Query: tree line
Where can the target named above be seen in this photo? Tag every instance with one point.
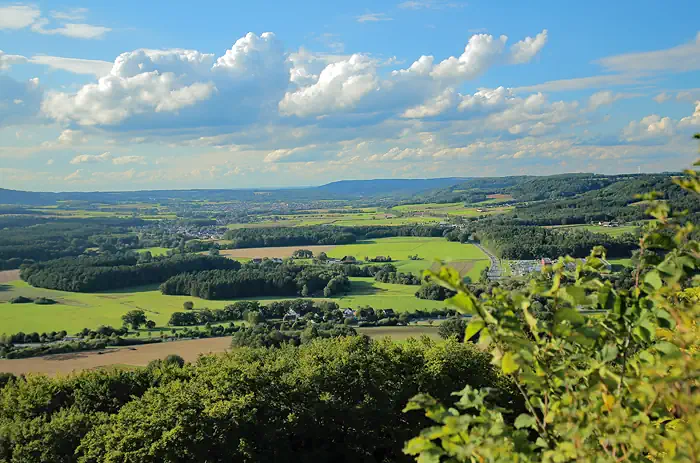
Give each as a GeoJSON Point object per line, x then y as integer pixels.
{"type": "Point", "coordinates": [116, 271]}
{"type": "Point", "coordinates": [265, 279]}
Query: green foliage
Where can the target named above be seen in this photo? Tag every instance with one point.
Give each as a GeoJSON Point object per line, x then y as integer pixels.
{"type": "Point", "coordinates": [621, 386]}
{"type": "Point", "coordinates": [328, 400]}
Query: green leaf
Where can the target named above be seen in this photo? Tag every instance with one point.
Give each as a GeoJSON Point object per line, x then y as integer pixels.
{"type": "Point", "coordinates": [668, 349]}
{"type": "Point", "coordinates": [508, 363]}
{"type": "Point", "coordinates": [473, 328]}
{"type": "Point", "coordinates": [567, 313]}
{"type": "Point", "coordinates": [609, 353]}
{"type": "Point", "coordinates": [653, 279]}
{"type": "Point", "coordinates": [463, 302]}
{"type": "Point", "coordinates": [525, 421]}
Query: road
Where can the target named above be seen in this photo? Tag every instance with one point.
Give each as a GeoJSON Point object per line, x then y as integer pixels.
{"type": "Point", "coordinates": [495, 272]}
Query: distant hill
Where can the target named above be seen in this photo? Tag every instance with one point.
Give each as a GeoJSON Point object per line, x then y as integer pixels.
{"type": "Point", "coordinates": [346, 189]}
{"type": "Point", "coordinates": [388, 186]}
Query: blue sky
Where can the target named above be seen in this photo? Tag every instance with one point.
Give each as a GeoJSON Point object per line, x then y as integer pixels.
{"type": "Point", "coordinates": [145, 95]}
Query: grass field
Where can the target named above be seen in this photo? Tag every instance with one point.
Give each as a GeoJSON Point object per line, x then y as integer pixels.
{"type": "Point", "coordinates": [157, 251]}
{"type": "Point", "coordinates": [279, 251]}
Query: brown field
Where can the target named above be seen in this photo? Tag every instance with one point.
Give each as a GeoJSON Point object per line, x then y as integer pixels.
{"type": "Point", "coordinates": [462, 266]}
{"type": "Point", "coordinates": [280, 251]}
{"type": "Point", "coordinates": [499, 196]}
{"type": "Point", "coordinates": [9, 275]}
{"type": "Point", "coordinates": [123, 356]}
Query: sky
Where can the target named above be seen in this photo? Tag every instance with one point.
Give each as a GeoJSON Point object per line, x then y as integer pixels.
{"type": "Point", "coordinates": [130, 95]}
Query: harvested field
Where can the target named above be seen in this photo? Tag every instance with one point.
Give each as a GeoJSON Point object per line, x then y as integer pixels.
{"type": "Point", "coordinates": [280, 251]}
{"type": "Point", "coordinates": [131, 356]}
{"type": "Point", "coordinates": [9, 275]}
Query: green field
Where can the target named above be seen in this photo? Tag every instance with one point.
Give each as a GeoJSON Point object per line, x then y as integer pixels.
{"type": "Point", "coordinates": [76, 311]}
{"type": "Point", "coordinates": [154, 251]}
{"type": "Point", "coordinates": [428, 249]}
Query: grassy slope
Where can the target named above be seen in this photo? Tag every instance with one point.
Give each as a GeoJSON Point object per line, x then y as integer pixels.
{"type": "Point", "coordinates": [156, 251]}
{"type": "Point", "coordinates": [612, 231]}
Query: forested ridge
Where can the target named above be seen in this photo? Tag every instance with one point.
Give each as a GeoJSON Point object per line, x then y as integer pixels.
{"type": "Point", "coordinates": [115, 271]}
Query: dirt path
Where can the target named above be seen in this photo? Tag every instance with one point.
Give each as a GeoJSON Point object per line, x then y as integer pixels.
{"type": "Point", "coordinates": [136, 355]}
{"type": "Point", "coordinates": [9, 275]}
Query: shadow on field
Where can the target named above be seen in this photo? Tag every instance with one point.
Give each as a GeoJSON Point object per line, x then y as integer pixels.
{"type": "Point", "coordinates": [5, 287]}
{"type": "Point", "coordinates": [360, 288]}
{"type": "Point", "coordinates": [77, 355]}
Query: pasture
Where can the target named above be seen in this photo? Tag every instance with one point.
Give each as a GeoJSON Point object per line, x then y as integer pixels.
{"type": "Point", "coordinates": [155, 251]}
{"type": "Point", "coordinates": [279, 251]}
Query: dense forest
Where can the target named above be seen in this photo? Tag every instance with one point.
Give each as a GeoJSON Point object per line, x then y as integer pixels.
{"type": "Point", "coordinates": [115, 271]}
{"type": "Point", "coordinates": [45, 240]}
{"type": "Point", "coordinates": [511, 241]}
{"type": "Point", "coordinates": [329, 400]}
{"type": "Point", "coordinates": [265, 279]}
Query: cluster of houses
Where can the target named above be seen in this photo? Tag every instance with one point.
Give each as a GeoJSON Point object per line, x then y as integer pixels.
{"type": "Point", "coordinates": [608, 224]}
{"type": "Point", "coordinates": [359, 315]}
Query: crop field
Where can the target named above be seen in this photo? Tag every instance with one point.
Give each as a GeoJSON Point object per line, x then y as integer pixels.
{"type": "Point", "coordinates": [279, 251]}
{"type": "Point", "coordinates": [9, 275]}
{"type": "Point", "coordinates": [112, 357]}
{"type": "Point", "coordinates": [401, 333]}
{"type": "Point", "coordinates": [450, 209]}
{"type": "Point", "coordinates": [321, 217]}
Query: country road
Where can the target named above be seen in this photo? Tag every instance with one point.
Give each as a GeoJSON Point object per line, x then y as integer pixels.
{"type": "Point", "coordinates": [495, 272]}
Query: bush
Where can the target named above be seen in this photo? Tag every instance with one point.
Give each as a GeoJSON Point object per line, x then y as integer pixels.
{"type": "Point", "coordinates": [44, 301]}
{"type": "Point", "coordinates": [21, 300]}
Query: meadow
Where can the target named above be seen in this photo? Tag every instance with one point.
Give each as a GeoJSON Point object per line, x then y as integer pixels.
{"type": "Point", "coordinates": [155, 251]}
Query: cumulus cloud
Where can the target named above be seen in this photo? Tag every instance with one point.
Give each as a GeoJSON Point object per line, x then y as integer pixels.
{"type": "Point", "coordinates": [72, 137]}
{"type": "Point", "coordinates": [692, 121]}
{"type": "Point", "coordinates": [92, 158]}
{"type": "Point", "coordinates": [340, 85]}
{"type": "Point", "coordinates": [76, 31]}
{"type": "Point", "coordinates": [74, 176]}
{"type": "Point", "coordinates": [526, 49]}
{"type": "Point", "coordinates": [433, 107]}
{"type": "Point", "coordinates": [248, 78]}
{"type": "Point", "coordinates": [481, 52]}
{"type": "Point", "coordinates": [662, 97]}
{"type": "Point", "coordinates": [649, 128]}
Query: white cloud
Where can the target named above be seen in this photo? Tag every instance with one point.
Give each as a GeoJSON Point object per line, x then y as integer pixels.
{"type": "Point", "coordinates": [6, 61]}
{"type": "Point", "coordinates": [662, 97]}
{"type": "Point", "coordinates": [692, 121]}
{"type": "Point", "coordinates": [75, 176]}
{"type": "Point", "coordinates": [76, 31]}
{"type": "Point", "coordinates": [433, 107]}
{"type": "Point", "coordinates": [49, 162]}
{"type": "Point", "coordinates": [373, 17]}
{"type": "Point", "coordinates": [92, 158]}
{"type": "Point", "coordinates": [649, 128]}
{"type": "Point", "coordinates": [481, 52]}
{"type": "Point", "coordinates": [15, 17]}
{"type": "Point", "coordinates": [97, 68]}
{"type": "Point", "coordinates": [19, 101]}
{"type": "Point", "coordinates": [680, 58]}
{"type": "Point", "coordinates": [72, 137]}
{"type": "Point", "coordinates": [340, 85]}
{"type": "Point", "coordinates": [580, 83]}
{"type": "Point", "coordinates": [18, 16]}
{"type": "Point", "coordinates": [526, 49]}
{"type": "Point", "coordinates": [129, 160]}
{"type": "Point", "coordinates": [249, 79]}
{"type": "Point", "coordinates": [603, 98]}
